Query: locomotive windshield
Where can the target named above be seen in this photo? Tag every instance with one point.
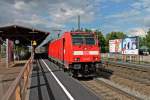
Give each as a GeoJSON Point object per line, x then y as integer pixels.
{"type": "Point", "coordinates": [79, 39]}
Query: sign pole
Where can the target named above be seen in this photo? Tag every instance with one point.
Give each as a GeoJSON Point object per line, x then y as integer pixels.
{"type": "Point", "coordinates": [7, 53]}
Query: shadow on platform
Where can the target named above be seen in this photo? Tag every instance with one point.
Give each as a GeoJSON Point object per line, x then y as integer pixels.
{"type": "Point", "coordinates": [40, 87]}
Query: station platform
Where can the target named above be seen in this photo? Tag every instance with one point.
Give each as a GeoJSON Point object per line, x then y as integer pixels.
{"type": "Point", "coordinates": [48, 82]}
{"type": "Point", "coordinates": [9, 74]}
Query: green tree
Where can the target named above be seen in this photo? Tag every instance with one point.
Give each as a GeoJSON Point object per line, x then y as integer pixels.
{"type": "Point", "coordinates": [142, 41]}
{"type": "Point", "coordinates": [102, 41]}
{"type": "Point", "coordinates": [147, 38]}
{"type": "Point", "coordinates": [115, 35]}
{"type": "Point", "coordinates": [88, 30]}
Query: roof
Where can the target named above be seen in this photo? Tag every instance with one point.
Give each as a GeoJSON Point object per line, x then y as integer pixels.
{"type": "Point", "coordinates": [23, 34]}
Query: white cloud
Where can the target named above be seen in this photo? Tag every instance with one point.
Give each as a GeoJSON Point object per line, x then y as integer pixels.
{"type": "Point", "coordinates": [137, 32]}
{"type": "Point", "coordinates": [20, 5]}
{"type": "Point", "coordinates": [48, 13]}
{"type": "Point", "coordinates": [67, 12]}
{"type": "Point", "coordinates": [125, 14]}
{"type": "Point", "coordinates": [142, 5]}
{"type": "Point", "coordinates": [37, 20]}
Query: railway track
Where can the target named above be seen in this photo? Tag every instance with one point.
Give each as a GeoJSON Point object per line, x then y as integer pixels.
{"type": "Point", "coordinates": [136, 67]}
{"type": "Point", "coordinates": [107, 91]}
{"type": "Point", "coordinates": [137, 74]}
{"type": "Point", "coordinates": [132, 77]}
{"type": "Point", "coordinates": [137, 77]}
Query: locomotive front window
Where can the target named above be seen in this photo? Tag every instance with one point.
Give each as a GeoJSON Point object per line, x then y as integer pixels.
{"type": "Point", "coordinates": [90, 41]}
{"type": "Point", "coordinates": [79, 39]}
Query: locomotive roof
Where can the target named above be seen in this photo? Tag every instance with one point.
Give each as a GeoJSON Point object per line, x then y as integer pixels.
{"type": "Point", "coordinates": [72, 32]}
{"type": "Point", "coordinates": [80, 32]}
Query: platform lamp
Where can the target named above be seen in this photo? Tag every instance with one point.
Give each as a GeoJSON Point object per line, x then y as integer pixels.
{"type": "Point", "coordinates": [33, 41]}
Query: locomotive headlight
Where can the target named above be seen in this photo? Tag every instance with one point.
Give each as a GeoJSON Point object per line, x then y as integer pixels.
{"type": "Point", "coordinates": [77, 59]}
{"type": "Point", "coordinates": [95, 58]}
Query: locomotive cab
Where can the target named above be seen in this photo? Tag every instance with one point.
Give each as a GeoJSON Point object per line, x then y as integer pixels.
{"type": "Point", "coordinates": [77, 52]}
{"type": "Point", "coordinates": [85, 54]}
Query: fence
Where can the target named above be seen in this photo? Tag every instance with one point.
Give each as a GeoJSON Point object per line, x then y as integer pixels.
{"type": "Point", "coordinates": [124, 58]}
{"type": "Point", "coordinates": [18, 88]}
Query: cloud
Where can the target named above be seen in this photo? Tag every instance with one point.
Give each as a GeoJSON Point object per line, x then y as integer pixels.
{"type": "Point", "coordinates": [142, 5]}
{"type": "Point", "coordinates": [147, 21]}
{"type": "Point", "coordinates": [47, 13]}
{"type": "Point", "coordinates": [137, 32]}
{"type": "Point", "coordinates": [20, 5]}
{"type": "Point", "coordinates": [125, 14]}
{"type": "Point", "coordinates": [62, 13]}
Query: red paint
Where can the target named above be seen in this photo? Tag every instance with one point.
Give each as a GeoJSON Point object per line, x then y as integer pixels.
{"type": "Point", "coordinates": [65, 51]}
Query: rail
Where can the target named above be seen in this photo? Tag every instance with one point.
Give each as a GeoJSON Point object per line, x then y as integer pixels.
{"type": "Point", "coordinates": [121, 91]}
{"type": "Point", "coordinates": [18, 88]}
{"type": "Point", "coordinates": [144, 67]}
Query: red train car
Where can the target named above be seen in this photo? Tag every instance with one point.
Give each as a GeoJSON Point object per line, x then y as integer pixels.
{"type": "Point", "coordinates": [77, 51]}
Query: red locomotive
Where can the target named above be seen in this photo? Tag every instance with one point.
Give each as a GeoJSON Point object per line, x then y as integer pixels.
{"type": "Point", "coordinates": [77, 51]}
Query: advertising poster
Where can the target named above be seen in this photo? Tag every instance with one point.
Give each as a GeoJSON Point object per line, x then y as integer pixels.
{"type": "Point", "coordinates": [130, 45]}
{"type": "Point", "coordinates": [115, 46]}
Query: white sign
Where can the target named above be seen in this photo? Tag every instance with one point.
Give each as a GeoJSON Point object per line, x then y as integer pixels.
{"type": "Point", "coordinates": [115, 45]}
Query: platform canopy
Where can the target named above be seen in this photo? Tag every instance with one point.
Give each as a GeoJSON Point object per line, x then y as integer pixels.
{"type": "Point", "coordinates": [23, 34]}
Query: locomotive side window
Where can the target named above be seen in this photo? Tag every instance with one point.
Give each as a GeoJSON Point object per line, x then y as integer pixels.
{"type": "Point", "coordinates": [79, 39]}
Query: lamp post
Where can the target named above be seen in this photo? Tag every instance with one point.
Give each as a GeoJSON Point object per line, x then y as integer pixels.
{"type": "Point", "coordinates": [16, 47]}
{"type": "Point", "coordinates": [33, 42]}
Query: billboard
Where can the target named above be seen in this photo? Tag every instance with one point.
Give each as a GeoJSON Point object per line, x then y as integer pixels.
{"type": "Point", "coordinates": [130, 45]}
{"type": "Point", "coordinates": [115, 46]}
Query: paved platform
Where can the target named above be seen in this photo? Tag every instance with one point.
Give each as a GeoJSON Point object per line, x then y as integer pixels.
{"type": "Point", "coordinates": [50, 83]}
{"type": "Point", "coordinates": [8, 75]}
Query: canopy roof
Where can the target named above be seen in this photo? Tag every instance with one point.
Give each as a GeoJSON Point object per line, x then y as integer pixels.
{"type": "Point", "coordinates": [23, 34]}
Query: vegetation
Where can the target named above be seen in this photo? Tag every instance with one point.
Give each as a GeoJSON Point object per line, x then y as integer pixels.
{"type": "Point", "coordinates": [147, 39]}
{"type": "Point", "coordinates": [102, 40]}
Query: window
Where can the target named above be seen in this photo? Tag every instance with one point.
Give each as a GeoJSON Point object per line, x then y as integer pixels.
{"type": "Point", "coordinates": [80, 39]}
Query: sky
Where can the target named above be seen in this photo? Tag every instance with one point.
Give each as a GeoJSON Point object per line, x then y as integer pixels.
{"type": "Point", "coordinates": [129, 16]}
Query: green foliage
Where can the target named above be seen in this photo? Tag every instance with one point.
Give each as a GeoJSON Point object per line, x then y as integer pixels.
{"type": "Point", "coordinates": [88, 30]}
{"type": "Point", "coordinates": [142, 41]}
{"type": "Point", "coordinates": [102, 41]}
{"type": "Point", "coordinates": [115, 35]}
{"type": "Point", "coordinates": [147, 39]}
